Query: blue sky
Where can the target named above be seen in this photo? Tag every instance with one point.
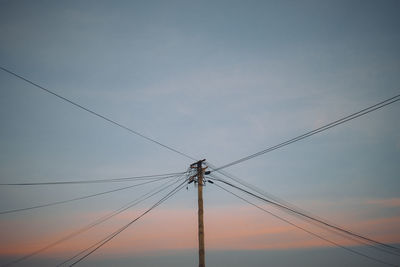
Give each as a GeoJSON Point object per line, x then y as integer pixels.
{"type": "Point", "coordinates": [214, 79]}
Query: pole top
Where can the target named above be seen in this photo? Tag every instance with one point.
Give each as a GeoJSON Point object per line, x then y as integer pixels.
{"type": "Point", "coordinates": [197, 163]}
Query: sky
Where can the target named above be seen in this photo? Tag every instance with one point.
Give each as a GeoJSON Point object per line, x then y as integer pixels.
{"type": "Point", "coordinates": [217, 80]}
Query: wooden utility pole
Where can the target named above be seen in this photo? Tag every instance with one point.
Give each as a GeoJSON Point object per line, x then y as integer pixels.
{"type": "Point", "coordinates": [200, 179]}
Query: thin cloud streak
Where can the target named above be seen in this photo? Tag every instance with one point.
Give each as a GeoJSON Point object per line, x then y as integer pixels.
{"type": "Point", "coordinates": [388, 202]}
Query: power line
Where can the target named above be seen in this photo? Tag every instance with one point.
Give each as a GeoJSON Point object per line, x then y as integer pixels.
{"type": "Point", "coordinates": [98, 221]}
{"type": "Point", "coordinates": [96, 114]}
{"type": "Point", "coordinates": [294, 207]}
{"type": "Point", "coordinates": [112, 180]}
{"type": "Point", "coordinates": [307, 215]}
{"type": "Point", "coordinates": [315, 131]}
{"type": "Point", "coordinates": [307, 231]}
{"type": "Point", "coordinates": [77, 198]}
{"type": "Point", "coordinates": [105, 240]}
{"type": "Point", "coordinates": [261, 192]}
{"type": "Point", "coordinates": [252, 187]}
{"type": "Point", "coordinates": [314, 219]}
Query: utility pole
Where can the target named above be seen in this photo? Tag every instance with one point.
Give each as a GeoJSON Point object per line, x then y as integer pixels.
{"type": "Point", "coordinates": [200, 180]}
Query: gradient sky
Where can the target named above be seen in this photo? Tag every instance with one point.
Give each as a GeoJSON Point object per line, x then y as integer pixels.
{"type": "Point", "coordinates": [214, 79]}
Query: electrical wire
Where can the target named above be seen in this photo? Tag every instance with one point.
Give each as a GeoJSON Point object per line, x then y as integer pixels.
{"type": "Point", "coordinates": [294, 207]}
{"type": "Point", "coordinates": [252, 187]}
{"type": "Point", "coordinates": [307, 231]}
{"type": "Point", "coordinates": [281, 201]}
{"type": "Point", "coordinates": [105, 240]}
{"type": "Point", "coordinates": [78, 198]}
{"type": "Point", "coordinates": [315, 131]}
{"type": "Point", "coordinates": [96, 114]}
{"type": "Point", "coordinates": [98, 221]}
{"type": "Point", "coordinates": [306, 215]}
{"type": "Point", "coordinates": [315, 219]}
{"type": "Point", "coordinates": [125, 179]}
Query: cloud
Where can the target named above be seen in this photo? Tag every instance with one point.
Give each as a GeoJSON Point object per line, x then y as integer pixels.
{"type": "Point", "coordinates": [386, 202]}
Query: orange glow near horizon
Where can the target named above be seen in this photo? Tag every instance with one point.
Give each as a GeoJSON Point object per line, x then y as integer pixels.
{"type": "Point", "coordinates": [226, 228]}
